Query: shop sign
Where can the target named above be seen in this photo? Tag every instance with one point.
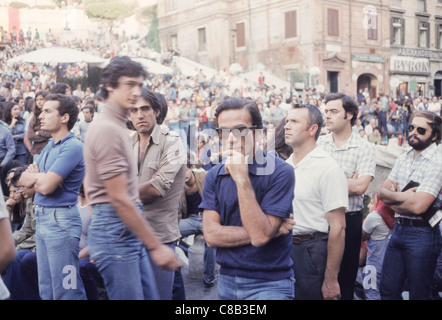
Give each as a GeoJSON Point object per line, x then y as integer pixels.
{"type": "Point", "coordinates": [408, 65]}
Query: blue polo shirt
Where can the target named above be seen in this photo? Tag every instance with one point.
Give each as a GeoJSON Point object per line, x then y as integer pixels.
{"type": "Point", "coordinates": [273, 182]}
{"type": "Point", "coordinates": [64, 158]}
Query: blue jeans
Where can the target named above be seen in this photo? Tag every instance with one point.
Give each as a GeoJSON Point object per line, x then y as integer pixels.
{"type": "Point", "coordinates": [57, 238]}
{"type": "Point", "coordinates": [163, 278]}
{"type": "Point", "coordinates": [29, 276]}
{"type": "Point", "coordinates": [120, 256]}
{"type": "Point", "coordinates": [12, 278]}
{"type": "Point", "coordinates": [382, 121]}
{"type": "Point", "coordinates": [239, 288]}
{"type": "Point", "coordinates": [194, 225]}
{"type": "Point", "coordinates": [411, 256]}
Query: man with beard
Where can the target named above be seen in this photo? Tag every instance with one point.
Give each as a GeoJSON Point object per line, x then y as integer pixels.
{"type": "Point", "coordinates": [414, 246]}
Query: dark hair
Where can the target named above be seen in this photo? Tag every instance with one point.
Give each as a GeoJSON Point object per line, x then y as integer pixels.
{"type": "Point", "coordinates": [314, 117]}
{"type": "Point", "coordinates": [435, 123]}
{"type": "Point", "coordinates": [348, 103]}
{"type": "Point", "coordinates": [7, 112]}
{"type": "Point", "coordinates": [238, 104]}
{"type": "Point", "coordinates": [164, 108]}
{"type": "Point", "coordinates": [151, 97]}
{"type": "Point", "coordinates": [119, 67]}
{"type": "Point", "coordinates": [281, 147]}
{"type": "Point", "coordinates": [88, 107]}
{"type": "Point", "coordinates": [60, 88]}
{"type": "Point", "coordinates": [29, 104]}
{"type": "Point", "coordinates": [4, 173]}
{"type": "Point", "coordinates": [17, 171]}
{"type": "Point", "coordinates": [37, 111]}
{"type": "Point", "coordinates": [65, 105]}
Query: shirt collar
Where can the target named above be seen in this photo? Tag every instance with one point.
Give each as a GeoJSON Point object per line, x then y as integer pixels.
{"type": "Point", "coordinates": [154, 137]}
{"type": "Point", "coordinates": [353, 141]}
{"type": "Point", "coordinates": [428, 153]}
{"type": "Point", "coordinates": [62, 140]}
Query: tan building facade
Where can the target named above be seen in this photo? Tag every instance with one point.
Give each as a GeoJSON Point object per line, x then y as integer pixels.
{"type": "Point", "coordinates": [334, 45]}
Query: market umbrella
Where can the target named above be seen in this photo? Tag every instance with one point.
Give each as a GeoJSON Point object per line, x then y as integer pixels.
{"type": "Point", "coordinates": [55, 55]}
{"type": "Point", "coordinates": [154, 67]}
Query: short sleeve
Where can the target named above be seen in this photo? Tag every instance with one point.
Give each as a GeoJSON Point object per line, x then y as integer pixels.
{"type": "Point", "coordinates": [209, 198]}
{"type": "Point", "coordinates": [70, 156]}
{"type": "Point", "coordinates": [278, 199]}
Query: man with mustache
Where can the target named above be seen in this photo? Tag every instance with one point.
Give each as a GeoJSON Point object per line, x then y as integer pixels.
{"type": "Point", "coordinates": [414, 245]}
{"type": "Point", "coordinates": [161, 173]}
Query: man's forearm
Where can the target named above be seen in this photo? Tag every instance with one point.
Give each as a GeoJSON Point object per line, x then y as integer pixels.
{"type": "Point", "coordinates": [335, 251]}
{"type": "Point", "coordinates": [255, 221]}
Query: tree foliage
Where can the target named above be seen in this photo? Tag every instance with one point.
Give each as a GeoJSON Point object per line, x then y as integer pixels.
{"type": "Point", "coordinates": [153, 37]}
{"type": "Point", "coordinates": [109, 9]}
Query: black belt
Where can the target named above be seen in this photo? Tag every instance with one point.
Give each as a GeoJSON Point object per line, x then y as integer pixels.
{"type": "Point", "coordinates": [308, 236]}
{"type": "Point", "coordinates": [411, 222]}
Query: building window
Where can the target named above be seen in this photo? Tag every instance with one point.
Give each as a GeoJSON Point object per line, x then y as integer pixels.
{"type": "Point", "coordinates": [174, 41]}
{"type": "Point", "coordinates": [202, 39]}
{"type": "Point", "coordinates": [423, 34]}
{"type": "Point", "coordinates": [290, 24]}
{"type": "Point", "coordinates": [333, 22]}
{"type": "Point", "coordinates": [397, 36]}
{"type": "Point", "coordinates": [421, 5]}
{"type": "Point", "coordinates": [172, 5]}
{"type": "Point", "coordinates": [240, 35]}
{"type": "Point", "coordinates": [439, 36]}
{"type": "Point", "coordinates": [372, 27]}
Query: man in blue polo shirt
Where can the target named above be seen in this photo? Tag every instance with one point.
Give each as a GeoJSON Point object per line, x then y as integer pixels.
{"type": "Point", "coordinates": [247, 200]}
{"type": "Point", "coordinates": [57, 176]}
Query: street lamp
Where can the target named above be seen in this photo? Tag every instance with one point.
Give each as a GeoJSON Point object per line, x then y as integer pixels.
{"type": "Point", "coordinates": [233, 31]}
{"type": "Point", "coordinates": [66, 11]}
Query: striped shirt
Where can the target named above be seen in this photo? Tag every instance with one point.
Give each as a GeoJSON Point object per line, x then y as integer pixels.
{"type": "Point", "coordinates": [425, 169]}
{"type": "Point", "coordinates": [355, 155]}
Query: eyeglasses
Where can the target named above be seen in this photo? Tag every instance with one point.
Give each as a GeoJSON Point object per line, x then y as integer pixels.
{"type": "Point", "coordinates": [19, 189]}
{"type": "Point", "coordinates": [420, 130]}
{"type": "Point", "coordinates": [142, 109]}
{"type": "Point", "coordinates": [239, 131]}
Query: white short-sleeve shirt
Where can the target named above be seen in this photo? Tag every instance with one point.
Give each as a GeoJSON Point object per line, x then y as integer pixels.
{"type": "Point", "coordinates": [321, 186]}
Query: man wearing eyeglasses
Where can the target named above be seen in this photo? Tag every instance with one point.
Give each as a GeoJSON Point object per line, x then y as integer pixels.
{"type": "Point", "coordinates": [246, 203]}
{"type": "Point", "coordinates": [414, 246]}
{"type": "Point", "coordinates": [161, 172]}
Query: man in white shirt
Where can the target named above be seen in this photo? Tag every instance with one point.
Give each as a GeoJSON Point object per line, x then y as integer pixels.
{"type": "Point", "coordinates": [321, 196]}
{"type": "Point", "coordinates": [434, 106]}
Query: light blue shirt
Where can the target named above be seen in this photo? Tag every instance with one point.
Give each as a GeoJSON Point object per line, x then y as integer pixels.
{"type": "Point", "coordinates": [64, 158]}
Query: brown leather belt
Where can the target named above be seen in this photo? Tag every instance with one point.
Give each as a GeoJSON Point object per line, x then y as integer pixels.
{"type": "Point", "coordinates": [308, 236]}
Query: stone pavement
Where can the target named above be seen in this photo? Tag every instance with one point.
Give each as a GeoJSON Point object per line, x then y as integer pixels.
{"type": "Point", "coordinates": [194, 286]}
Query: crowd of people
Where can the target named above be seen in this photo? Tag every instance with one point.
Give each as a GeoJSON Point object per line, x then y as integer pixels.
{"type": "Point", "coordinates": [278, 175]}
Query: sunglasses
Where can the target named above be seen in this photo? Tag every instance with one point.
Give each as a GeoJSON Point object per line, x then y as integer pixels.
{"type": "Point", "coordinates": [420, 130]}
{"type": "Point", "coordinates": [143, 109]}
{"type": "Point", "coordinates": [239, 131]}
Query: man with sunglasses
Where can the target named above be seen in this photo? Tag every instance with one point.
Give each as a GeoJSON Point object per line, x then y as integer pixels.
{"type": "Point", "coordinates": [246, 203]}
{"type": "Point", "coordinates": [414, 246]}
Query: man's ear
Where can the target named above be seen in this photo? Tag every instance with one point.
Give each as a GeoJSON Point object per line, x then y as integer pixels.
{"type": "Point", "coordinates": [65, 118]}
